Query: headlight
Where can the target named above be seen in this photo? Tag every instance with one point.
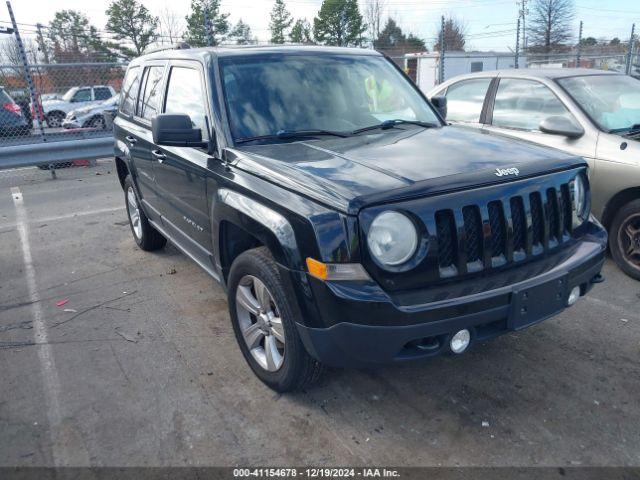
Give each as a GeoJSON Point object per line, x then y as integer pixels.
{"type": "Point", "coordinates": [579, 194]}
{"type": "Point", "coordinates": [392, 238]}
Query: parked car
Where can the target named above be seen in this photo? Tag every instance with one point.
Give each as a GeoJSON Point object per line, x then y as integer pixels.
{"type": "Point", "coordinates": [349, 224]}
{"type": "Point", "coordinates": [56, 110]}
{"type": "Point", "coordinates": [92, 115]}
{"type": "Point", "coordinates": [12, 121]}
{"type": "Point", "coordinates": [591, 113]}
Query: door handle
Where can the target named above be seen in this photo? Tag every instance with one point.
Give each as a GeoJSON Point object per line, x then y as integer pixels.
{"type": "Point", "coordinates": [159, 155]}
{"type": "Point", "coordinates": [131, 139]}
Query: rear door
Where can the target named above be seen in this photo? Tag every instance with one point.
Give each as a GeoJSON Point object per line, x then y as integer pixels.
{"type": "Point", "coordinates": [181, 171]}
{"type": "Point", "coordinates": [465, 101]}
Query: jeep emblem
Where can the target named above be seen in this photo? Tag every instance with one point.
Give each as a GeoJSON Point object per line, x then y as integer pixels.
{"type": "Point", "coordinates": [501, 172]}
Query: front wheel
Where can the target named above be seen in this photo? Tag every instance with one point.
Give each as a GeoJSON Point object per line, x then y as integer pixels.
{"type": "Point", "coordinates": [263, 314]}
{"type": "Point", "coordinates": [54, 119]}
{"type": "Point", "coordinates": [624, 239]}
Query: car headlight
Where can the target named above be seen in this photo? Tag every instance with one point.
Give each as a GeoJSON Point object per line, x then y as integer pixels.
{"type": "Point", "coordinates": [580, 200]}
{"type": "Point", "coordinates": [392, 238]}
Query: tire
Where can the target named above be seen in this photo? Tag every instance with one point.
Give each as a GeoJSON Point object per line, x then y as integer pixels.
{"type": "Point", "coordinates": [294, 368]}
{"type": "Point", "coordinates": [54, 119]}
{"type": "Point", "coordinates": [146, 237]}
{"type": "Point", "coordinates": [624, 239]}
{"type": "Point", "coordinates": [98, 122]}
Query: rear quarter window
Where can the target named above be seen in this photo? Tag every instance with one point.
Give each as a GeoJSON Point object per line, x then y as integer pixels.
{"type": "Point", "coordinates": [130, 91]}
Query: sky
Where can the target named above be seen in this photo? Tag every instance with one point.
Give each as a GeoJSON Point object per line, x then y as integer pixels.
{"type": "Point", "coordinates": [490, 23]}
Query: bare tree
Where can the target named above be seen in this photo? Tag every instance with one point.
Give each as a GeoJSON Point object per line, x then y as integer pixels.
{"type": "Point", "coordinates": [170, 26]}
{"type": "Point", "coordinates": [550, 25]}
{"type": "Point", "coordinates": [373, 13]}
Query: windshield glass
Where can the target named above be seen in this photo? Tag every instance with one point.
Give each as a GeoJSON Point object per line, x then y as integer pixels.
{"type": "Point", "coordinates": [270, 93]}
{"type": "Point", "coordinates": [612, 101]}
{"type": "Point", "coordinates": [69, 94]}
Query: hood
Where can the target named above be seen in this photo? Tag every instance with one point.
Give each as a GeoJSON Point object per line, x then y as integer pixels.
{"type": "Point", "coordinates": [394, 165]}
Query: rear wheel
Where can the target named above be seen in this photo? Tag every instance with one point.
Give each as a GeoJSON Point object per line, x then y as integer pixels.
{"type": "Point", "coordinates": [147, 237]}
{"type": "Point", "coordinates": [98, 122]}
{"type": "Point", "coordinates": [263, 314]}
{"type": "Point", "coordinates": [624, 239]}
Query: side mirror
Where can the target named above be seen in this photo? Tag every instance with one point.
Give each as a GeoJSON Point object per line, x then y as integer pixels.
{"type": "Point", "coordinates": [176, 130]}
{"type": "Point", "coordinates": [558, 125]}
{"type": "Point", "coordinates": [440, 103]}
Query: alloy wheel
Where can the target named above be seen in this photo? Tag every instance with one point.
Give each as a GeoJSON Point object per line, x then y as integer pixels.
{"type": "Point", "coordinates": [134, 213]}
{"type": "Point", "coordinates": [629, 239]}
{"type": "Point", "coordinates": [260, 323]}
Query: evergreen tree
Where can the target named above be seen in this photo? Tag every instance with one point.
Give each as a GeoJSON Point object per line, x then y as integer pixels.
{"type": "Point", "coordinates": [280, 21]}
{"type": "Point", "coordinates": [241, 34]}
{"type": "Point", "coordinates": [74, 39]}
{"type": "Point", "coordinates": [339, 23]}
{"type": "Point", "coordinates": [301, 32]}
{"type": "Point", "coordinates": [454, 35]}
{"type": "Point", "coordinates": [196, 34]}
{"type": "Point", "coordinates": [393, 38]}
{"type": "Point", "coordinates": [130, 21]}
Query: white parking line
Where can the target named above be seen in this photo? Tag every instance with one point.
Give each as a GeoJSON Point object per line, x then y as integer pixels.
{"type": "Point", "coordinates": [65, 216]}
{"type": "Point", "coordinates": [61, 450]}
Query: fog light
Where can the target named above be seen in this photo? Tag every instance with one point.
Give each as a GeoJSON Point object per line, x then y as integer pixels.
{"type": "Point", "coordinates": [460, 341]}
{"type": "Point", "coordinates": [573, 296]}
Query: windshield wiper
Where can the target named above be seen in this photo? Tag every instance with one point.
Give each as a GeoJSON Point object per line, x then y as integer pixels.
{"type": "Point", "coordinates": [632, 130]}
{"type": "Point", "coordinates": [387, 124]}
{"type": "Point", "coordinates": [284, 134]}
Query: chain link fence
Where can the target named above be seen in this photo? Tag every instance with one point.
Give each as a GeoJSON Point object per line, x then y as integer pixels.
{"type": "Point", "coordinates": [73, 101]}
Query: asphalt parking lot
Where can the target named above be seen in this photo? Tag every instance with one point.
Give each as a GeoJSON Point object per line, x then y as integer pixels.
{"type": "Point", "coordinates": [140, 367]}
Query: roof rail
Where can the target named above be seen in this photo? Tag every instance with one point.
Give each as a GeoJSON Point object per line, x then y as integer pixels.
{"type": "Point", "coordinates": [173, 46]}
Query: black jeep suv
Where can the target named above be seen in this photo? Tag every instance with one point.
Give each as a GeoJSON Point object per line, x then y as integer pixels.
{"type": "Point", "coordinates": [349, 224]}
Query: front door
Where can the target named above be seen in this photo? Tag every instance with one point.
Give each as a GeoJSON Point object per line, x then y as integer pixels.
{"type": "Point", "coordinates": [519, 107]}
{"type": "Point", "coordinates": [181, 172]}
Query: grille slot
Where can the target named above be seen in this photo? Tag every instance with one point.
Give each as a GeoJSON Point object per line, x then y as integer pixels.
{"type": "Point", "coordinates": [446, 231]}
{"type": "Point", "coordinates": [473, 232]}
{"type": "Point", "coordinates": [553, 215]}
{"type": "Point", "coordinates": [519, 223]}
{"type": "Point", "coordinates": [513, 230]}
{"type": "Point", "coordinates": [537, 218]}
{"type": "Point", "coordinates": [565, 208]}
{"type": "Point", "coordinates": [498, 234]}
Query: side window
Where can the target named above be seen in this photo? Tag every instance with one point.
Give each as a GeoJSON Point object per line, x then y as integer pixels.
{"type": "Point", "coordinates": [130, 91]}
{"type": "Point", "coordinates": [82, 95]}
{"type": "Point", "coordinates": [465, 100]}
{"type": "Point", "coordinates": [185, 95]}
{"type": "Point", "coordinates": [151, 92]}
{"type": "Point", "coordinates": [101, 93]}
{"type": "Point", "coordinates": [523, 104]}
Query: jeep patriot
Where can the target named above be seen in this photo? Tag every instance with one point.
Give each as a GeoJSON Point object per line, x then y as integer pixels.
{"type": "Point", "coordinates": [349, 224]}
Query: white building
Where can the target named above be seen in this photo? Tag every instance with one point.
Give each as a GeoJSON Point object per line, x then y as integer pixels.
{"type": "Point", "coordinates": [426, 65]}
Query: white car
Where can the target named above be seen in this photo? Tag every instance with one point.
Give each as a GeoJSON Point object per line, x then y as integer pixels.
{"type": "Point", "coordinates": [590, 113]}
{"type": "Point", "coordinates": [93, 115]}
{"type": "Point", "coordinates": [56, 110]}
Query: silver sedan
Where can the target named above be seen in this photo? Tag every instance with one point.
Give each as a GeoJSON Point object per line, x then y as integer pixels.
{"type": "Point", "coordinates": [591, 113]}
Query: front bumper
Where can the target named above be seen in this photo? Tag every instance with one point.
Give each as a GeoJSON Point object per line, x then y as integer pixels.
{"type": "Point", "coordinates": [366, 326]}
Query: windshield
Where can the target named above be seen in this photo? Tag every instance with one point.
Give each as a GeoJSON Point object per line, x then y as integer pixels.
{"type": "Point", "coordinates": [612, 101]}
{"type": "Point", "coordinates": [69, 94]}
{"type": "Point", "coordinates": [268, 94]}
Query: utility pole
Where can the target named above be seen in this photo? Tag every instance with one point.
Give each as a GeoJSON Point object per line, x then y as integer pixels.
{"type": "Point", "coordinates": [630, 52]}
{"type": "Point", "coordinates": [579, 49]}
{"type": "Point", "coordinates": [523, 15]}
{"type": "Point", "coordinates": [27, 71]}
{"type": "Point", "coordinates": [441, 69]}
{"type": "Point", "coordinates": [517, 44]}
{"type": "Point", "coordinates": [43, 46]}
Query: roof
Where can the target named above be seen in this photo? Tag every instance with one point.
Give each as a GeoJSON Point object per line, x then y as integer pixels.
{"type": "Point", "coordinates": [547, 73]}
{"type": "Point", "coordinates": [245, 50]}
